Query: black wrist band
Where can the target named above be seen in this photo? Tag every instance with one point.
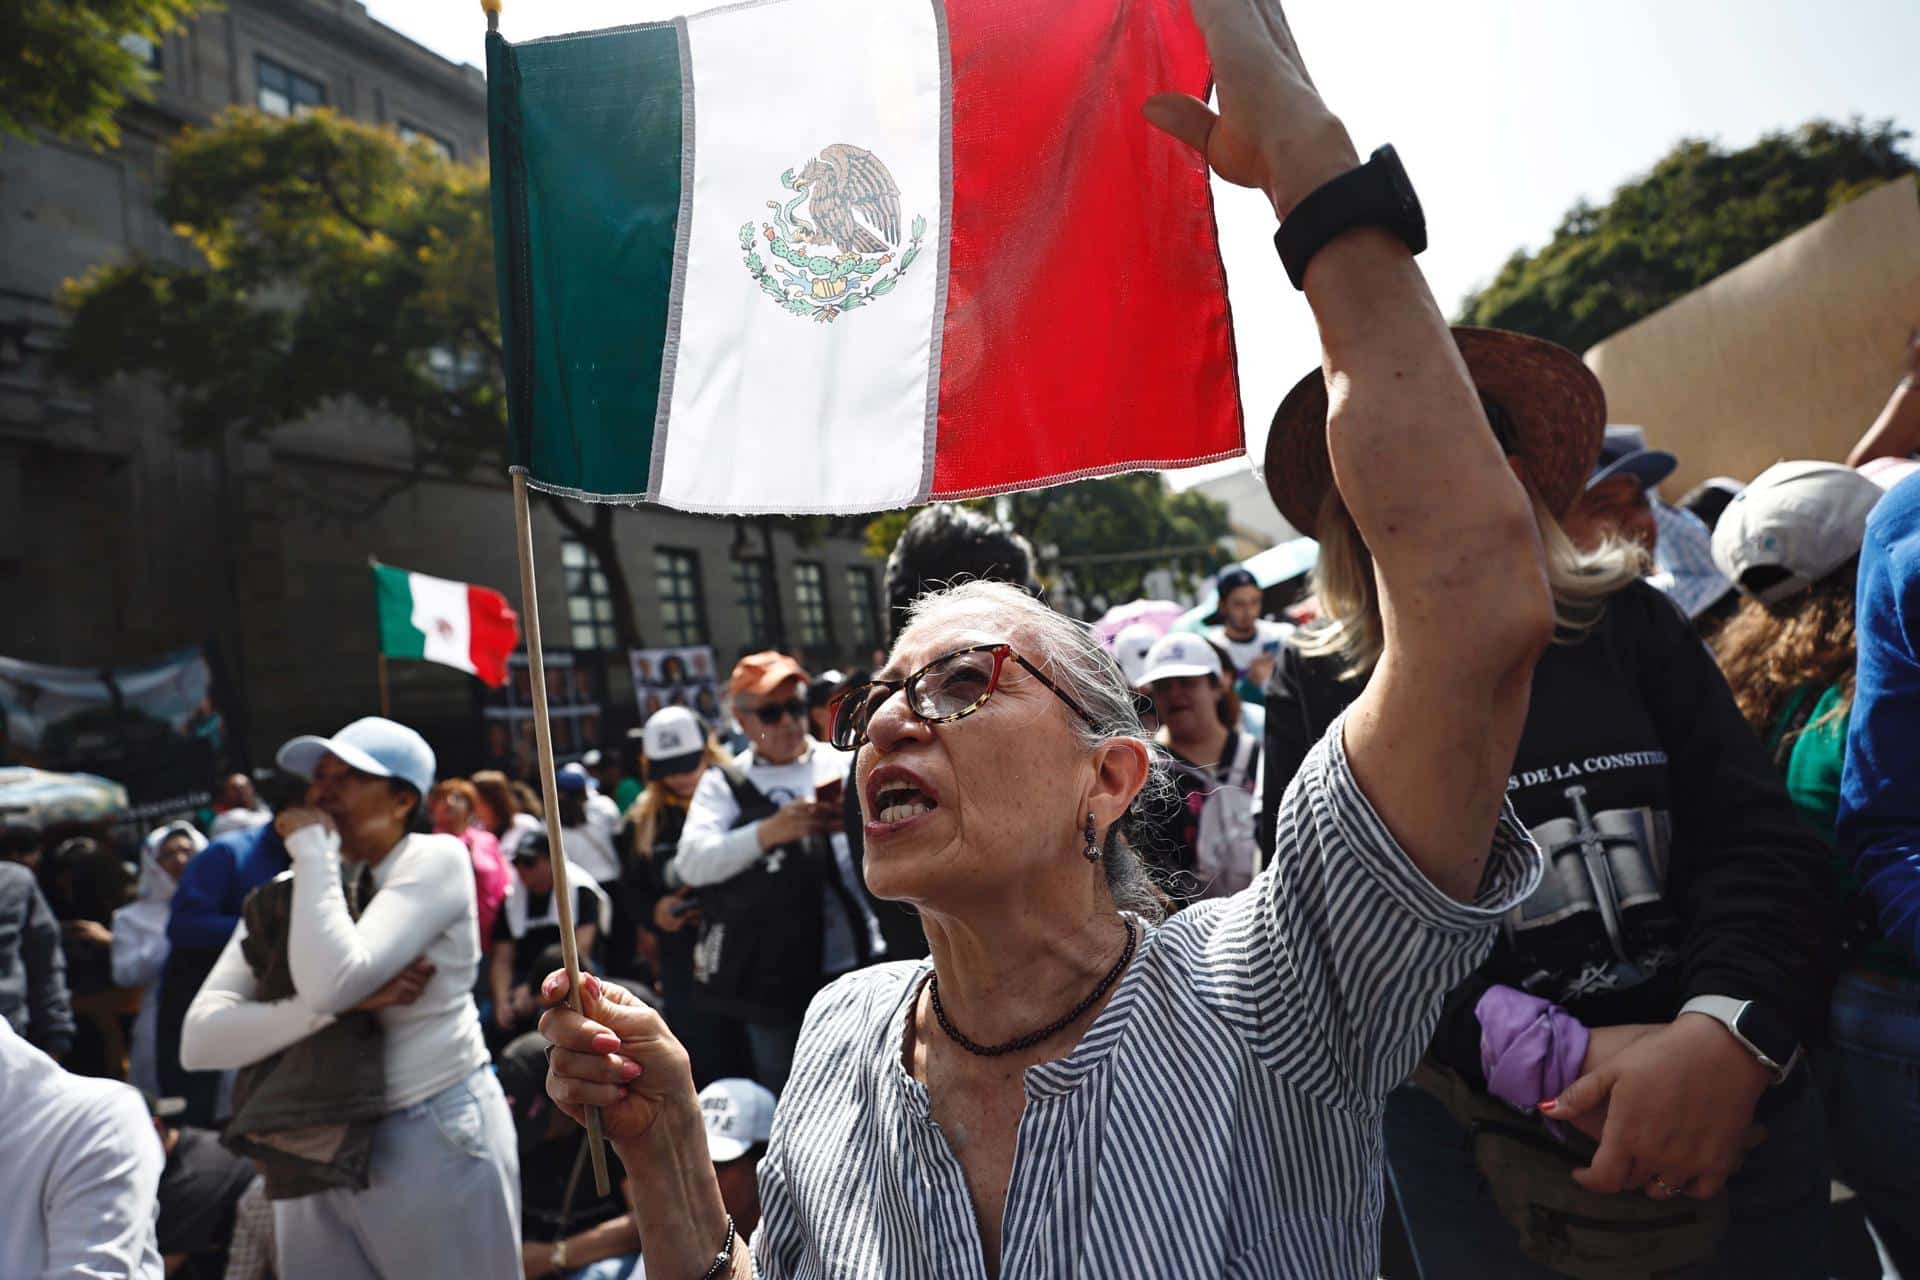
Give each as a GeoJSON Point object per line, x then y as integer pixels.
{"type": "Point", "coordinates": [1377, 194]}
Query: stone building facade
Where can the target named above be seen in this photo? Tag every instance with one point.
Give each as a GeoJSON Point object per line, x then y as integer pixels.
{"type": "Point", "coordinates": [117, 544]}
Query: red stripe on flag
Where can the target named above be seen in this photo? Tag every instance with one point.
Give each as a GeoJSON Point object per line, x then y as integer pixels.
{"type": "Point", "coordinates": [494, 632]}
{"type": "Point", "coordinates": [1087, 323]}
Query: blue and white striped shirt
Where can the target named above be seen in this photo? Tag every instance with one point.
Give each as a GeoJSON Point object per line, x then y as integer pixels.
{"type": "Point", "coordinates": [1221, 1116]}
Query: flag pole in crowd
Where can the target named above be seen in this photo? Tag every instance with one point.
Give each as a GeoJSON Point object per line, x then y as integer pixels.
{"type": "Point", "coordinates": [543, 744]}
{"type": "Point", "coordinates": [549, 788]}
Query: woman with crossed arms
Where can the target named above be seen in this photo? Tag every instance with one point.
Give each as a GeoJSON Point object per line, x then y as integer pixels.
{"type": "Point", "coordinates": [1070, 1086]}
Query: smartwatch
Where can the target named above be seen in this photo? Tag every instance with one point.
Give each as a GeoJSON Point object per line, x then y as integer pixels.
{"type": "Point", "coordinates": [1766, 1035]}
{"type": "Point", "coordinates": [1377, 194]}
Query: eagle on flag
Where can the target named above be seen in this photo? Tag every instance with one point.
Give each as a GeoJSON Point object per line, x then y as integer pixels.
{"type": "Point", "coordinates": [845, 181]}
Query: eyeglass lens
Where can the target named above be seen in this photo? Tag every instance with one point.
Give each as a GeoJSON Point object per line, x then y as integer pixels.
{"type": "Point", "coordinates": [941, 690]}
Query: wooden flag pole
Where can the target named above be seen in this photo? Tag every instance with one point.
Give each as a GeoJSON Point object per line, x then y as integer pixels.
{"type": "Point", "coordinates": [380, 638]}
{"type": "Point", "coordinates": [549, 794]}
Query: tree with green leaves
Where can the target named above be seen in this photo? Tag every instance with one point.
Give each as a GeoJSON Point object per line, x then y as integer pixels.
{"type": "Point", "coordinates": [70, 67]}
{"type": "Point", "coordinates": [1101, 537]}
{"type": "Point", "coordinates": [1701, 211]}
{"type": "Point", "coordinates": [333, 262]}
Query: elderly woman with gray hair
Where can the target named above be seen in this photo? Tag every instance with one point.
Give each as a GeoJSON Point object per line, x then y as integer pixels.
{"type": "Point", "coordinates": [1071, 1085]}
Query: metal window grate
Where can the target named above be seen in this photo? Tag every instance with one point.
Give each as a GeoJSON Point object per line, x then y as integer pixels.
{"type": "Point", "coordinates": [683, 614]}
{"type": "Point", "coordinates": [589, 603]}
{"type": "Point", "coordinates": [810, 596]}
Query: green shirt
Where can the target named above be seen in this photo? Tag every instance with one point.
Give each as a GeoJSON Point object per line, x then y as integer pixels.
{"type": "Point", "coordinates": [1813, 766]}
{"type": "Point", "coordinates": [629, 789]}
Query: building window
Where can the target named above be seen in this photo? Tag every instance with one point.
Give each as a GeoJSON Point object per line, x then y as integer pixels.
{"type": "Point", "coordinates": [683, 619]}
{"type": "Point", "coordinates": [750, 592]}
{"type": "Point", "coordinates": [810, 596]}
{"type": "Point", "coordinates": [589, 603]}
{"type": "Point", "coordinates": [283, 92]}
{"type": "Point", "coordinates": [147, 51]}
{"type": "Point", "coordinates": [414, 133]}
{"type": "Point", "coordinates": [865, 608]}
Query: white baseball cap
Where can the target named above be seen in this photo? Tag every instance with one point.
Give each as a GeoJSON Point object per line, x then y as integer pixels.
{"type": "Point", "coordinates": [1180, 653]}
{"type": "Point", "coordinates": [372, 745]}
{"type": "Point", "coordinates": [1800, 519]}
{"type": "Point", "coordinates": [738, 1115]}
{"type": "Point", "coordinates": [673, 741]}
{"type": "Point", "coordinates": [1130, 648]}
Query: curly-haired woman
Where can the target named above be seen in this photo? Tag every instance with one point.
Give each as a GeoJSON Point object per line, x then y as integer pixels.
{"type": "Point", "coordinates": [1792, 542]}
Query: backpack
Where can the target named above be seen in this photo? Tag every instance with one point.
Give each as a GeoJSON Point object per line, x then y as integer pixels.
{"type": "Point", "coordinates": [1226, 852]}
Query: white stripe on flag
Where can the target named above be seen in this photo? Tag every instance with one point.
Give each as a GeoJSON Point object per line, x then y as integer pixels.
{"type": "Point", "coordinates": [440, 612]}
{"type": "Point", "coordinates": [771, 410]}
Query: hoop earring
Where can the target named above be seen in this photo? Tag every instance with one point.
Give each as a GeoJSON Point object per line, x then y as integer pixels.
{"type": "Point", "coordinates": [1092, 851]}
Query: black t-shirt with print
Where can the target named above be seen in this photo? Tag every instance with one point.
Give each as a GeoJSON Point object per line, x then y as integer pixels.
{"type": "Point", "coordinates": [528, 947]}
{"type": "Point", "coordinates": [1676, 865]}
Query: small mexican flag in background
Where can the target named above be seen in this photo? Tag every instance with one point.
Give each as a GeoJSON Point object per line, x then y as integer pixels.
{"type": "Point", "coordinates": [452, 623]}
{"type": "Point", "coordinates": [846, 255]}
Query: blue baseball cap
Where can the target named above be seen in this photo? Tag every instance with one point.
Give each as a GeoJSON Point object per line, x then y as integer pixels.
{"type": "Point", "coordinates": [372, 745]}
{"type": "Point", "coordinates": [573, 777]}
{"type": "Point", "coordinates": [1624, 452]}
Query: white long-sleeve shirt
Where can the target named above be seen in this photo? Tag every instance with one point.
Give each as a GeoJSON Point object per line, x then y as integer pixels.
{"type": "Point", "coordinates": [81, 1171]}
{"type": "Point", "coordinates": [424, 906]}
{"type": "Point", "coordinates": [712, 850]}
{"type": "Point", "coordinates": [591, 844]}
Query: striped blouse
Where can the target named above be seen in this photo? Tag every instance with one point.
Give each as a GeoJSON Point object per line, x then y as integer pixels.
{"type": "Point", "coordinates": [1221, 1116]}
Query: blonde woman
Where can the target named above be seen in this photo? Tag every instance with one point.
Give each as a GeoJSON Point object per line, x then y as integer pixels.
{"type": "Point", "coordinates": [1680, 887]}
{"type": "Point", "coordinates": [678, 753]}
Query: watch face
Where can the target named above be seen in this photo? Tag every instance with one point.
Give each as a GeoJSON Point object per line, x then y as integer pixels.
{"type": "Point", "coordinates": [1768, 1032]}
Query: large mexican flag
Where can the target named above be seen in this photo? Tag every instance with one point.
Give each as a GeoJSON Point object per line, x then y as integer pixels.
{"type": "Point", "coordinates": [844, 255]}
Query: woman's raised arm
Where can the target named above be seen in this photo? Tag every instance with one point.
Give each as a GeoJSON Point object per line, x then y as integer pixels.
{"type": "Point", "coordinates": [1461, 570]}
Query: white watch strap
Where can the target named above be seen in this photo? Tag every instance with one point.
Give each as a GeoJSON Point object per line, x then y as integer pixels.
{"type": "Point", "coordinates": [1726, 1011]}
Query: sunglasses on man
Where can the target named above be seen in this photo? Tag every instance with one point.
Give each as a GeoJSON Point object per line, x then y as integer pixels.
{"type": "Point", "coordinates": [774, 712]}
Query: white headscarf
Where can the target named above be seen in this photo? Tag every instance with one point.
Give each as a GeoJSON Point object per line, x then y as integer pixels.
{"type": "Point", "coordinates": [140, 927]}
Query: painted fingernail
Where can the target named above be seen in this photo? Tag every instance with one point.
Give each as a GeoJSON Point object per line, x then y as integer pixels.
{"type": "Point", "coordinates": [551, 985]}
{"type": "Point", "coordinates": [629, 1069]}
{"type": "Point", "coordinates": [1549, 1104]}
{"type": "Point", "coordinates": [606, 1042]}
{"type": "Point", "coordinates": [590, 985]}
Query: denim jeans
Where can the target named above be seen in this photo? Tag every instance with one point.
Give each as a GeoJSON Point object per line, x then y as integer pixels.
{"type": "Point", "coordinates": [1870, 1081]}
{"type": "Point", "coordinates": [1777, 1201]}
{"type": "Point", "coordinates": [442, 1200]}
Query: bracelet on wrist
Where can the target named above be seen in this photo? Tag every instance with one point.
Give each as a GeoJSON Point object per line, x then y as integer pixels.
{"type": "Point", "coordinates": [723, 1260]}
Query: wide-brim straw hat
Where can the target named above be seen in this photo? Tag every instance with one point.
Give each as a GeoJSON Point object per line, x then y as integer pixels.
{"type": "Point", "coordinates": [1554, 402]}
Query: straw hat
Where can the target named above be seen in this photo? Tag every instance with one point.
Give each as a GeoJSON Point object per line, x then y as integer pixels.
{"type": "Point", "coordinates": [1557, 408]}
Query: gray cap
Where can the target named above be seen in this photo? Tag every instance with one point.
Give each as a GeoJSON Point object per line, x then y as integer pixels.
{"type": "Point", "coordinates": [372, 745]}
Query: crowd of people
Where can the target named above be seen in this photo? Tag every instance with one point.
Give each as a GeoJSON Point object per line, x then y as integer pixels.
{"type": "Point", "coordinates": [1539, 885]}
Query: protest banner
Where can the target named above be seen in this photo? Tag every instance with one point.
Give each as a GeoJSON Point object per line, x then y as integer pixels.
{"type": "Point", "coordinates": [575, 700]}
{"type": "Point", "coordinates": [677, 677]}
{"type": "Point", "coordinates": [154, 727]}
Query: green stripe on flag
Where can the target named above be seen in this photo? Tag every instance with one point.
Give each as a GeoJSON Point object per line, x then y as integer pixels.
{"type": "Point", "coordinates": [399, 638]}
{"type": "Point", "coordinates": [585, 135]}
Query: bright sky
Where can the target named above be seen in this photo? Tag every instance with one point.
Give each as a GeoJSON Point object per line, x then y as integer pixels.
{"type": "Point", "coordinates": [1504, 111]}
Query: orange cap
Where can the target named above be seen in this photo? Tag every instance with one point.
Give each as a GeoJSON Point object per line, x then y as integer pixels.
{"type": "Point", "coordinates": [759, 674]}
